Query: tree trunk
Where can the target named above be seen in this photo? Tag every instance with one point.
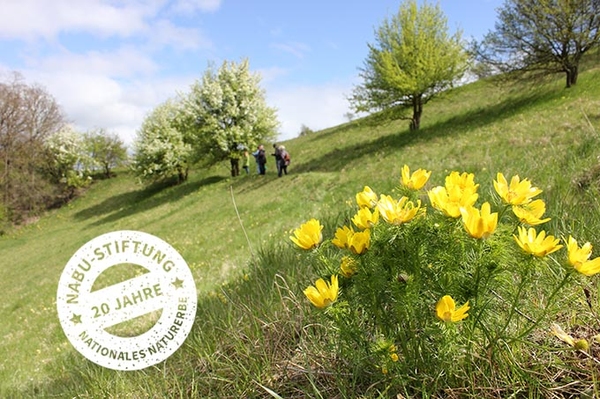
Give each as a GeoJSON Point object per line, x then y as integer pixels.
{"type": "Point", "coordinates": [572, 74]}
{"type": "Point", "coordinates": [415, 122]}
{"type": "Point", "coordinates": [182, 174]}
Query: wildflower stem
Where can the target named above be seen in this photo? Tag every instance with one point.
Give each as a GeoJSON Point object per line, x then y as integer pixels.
{"type": "Point", "coordinates": [519, 312]}
{"type": "Point", "coordinates": [241, 224]}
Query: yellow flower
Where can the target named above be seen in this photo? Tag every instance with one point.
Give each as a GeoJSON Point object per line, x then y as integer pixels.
{"type": "Point", "coordinates": [479, 224]}
{"type": "Point", "coordinates": [366, 198]}
{"type": "Point", "coordinates": [579, 258]}
{"type": "Point", "coordinates": [365, 219]}
{"type": "Point", "coordinates": [323, 294]}
{"type": "Point", "coordinates": [359, 242]}
{"type": "Point", "coordinates": [531, 213]}
{"type": "Point", "coordinates": [446, 309]}
{"type": "Point", "coordinates": [348, 266]}
{"type": "Point", "coordinates": [342, 237]}
{"type": "Point", "coordinates": [538, 245]}
{"type": "Point", "coordinates": [517, 192]}
{"type": "Point", "coordinates": [309, 235]}
{"type": "Point", "coordinates": [394, 357]}
{"type": "Point", "coordinates": [417, 180]}
{"type": "Point", "coordinates": [464, 181]}
{"type": "Point", "coordinates": [399, 212]}
{"type": "Point", "coordinates": [450, 200]}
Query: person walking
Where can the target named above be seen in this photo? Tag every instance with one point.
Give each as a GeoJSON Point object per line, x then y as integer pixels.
{"type": "Point", "coordinates": [234, 158]}
{"type": "Point", "coordinates": [277, 156]}
{"type": "Point", "coordinates": [261, 159]}
{"type": "Point", "coordinates": [246, 161]}
{"type": "Point", "coordinates": [285, 160]}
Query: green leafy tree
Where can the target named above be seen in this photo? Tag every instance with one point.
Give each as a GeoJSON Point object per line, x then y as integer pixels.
{"type": "Point", "coordinates": [413, 60]}
{"type": "Point", "coordinates": [106, 150]}
{"type": "Point", "coordinates": [227, 111]}
{"type": "Point", "coordinates": [546, 36]}
{"type": "Point", "coordinates": [160, 149]}
{"type": "Point", "coordinates": [67, 160]}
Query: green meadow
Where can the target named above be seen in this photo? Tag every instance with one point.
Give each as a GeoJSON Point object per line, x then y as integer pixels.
{"type": "Point", "coordinates": [255, 334]}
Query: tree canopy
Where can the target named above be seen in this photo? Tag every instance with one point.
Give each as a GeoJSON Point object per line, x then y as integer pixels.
{"type": "Point", "coordinates": [548, 36]}
{"type": "Point", "coordinates": [227, 110]}
{"type": "Point", "coordinates": [412, 60]}
{"type": "Point", "coordinates": [106, 150]}
{"type": "Point", "coordinates": [160, 149]}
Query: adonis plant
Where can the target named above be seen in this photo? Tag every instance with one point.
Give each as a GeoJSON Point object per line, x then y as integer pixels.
{"type": "Point", "coordinates": [431, 288]}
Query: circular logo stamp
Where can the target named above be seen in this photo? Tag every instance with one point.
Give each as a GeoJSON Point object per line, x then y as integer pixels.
{"type": "Point", "coordinates": [163, 288]}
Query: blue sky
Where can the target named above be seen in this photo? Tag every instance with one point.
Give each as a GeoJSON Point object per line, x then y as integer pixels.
{"type": "Point", "coordinates": [109, 62]}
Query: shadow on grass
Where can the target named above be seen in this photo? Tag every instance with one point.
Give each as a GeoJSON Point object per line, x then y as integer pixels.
{"type": "Point", "coordinates": [130, 203]}
{"type": "Point", "coordinates": [339, 157]}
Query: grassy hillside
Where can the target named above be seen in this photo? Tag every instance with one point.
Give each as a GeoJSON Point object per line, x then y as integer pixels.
{"type": "Point", "coordinates": [544, 132]}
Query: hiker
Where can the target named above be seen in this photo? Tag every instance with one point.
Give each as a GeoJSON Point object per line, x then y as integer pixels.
{"type": "Point", "coordinates": [284, 161]}
{"type": "Point", "coordinates": [255, 155]}
{"type": "Point", "coordinates": [277, 156]}
{"type": "Point", "coordinates": [246, 161]}
{"type": "Point", "coordinates": [234, 157]}
{"type": "Point", "coordinates": [261, 160]}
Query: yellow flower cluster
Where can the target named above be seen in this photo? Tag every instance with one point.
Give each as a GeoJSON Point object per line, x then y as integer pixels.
{"type": "Point", "coordinates": [519, 193]}
{"type": "Point", "coordinates": [459, 191]}
{"type": "Point", "coordinates": [456, 199]}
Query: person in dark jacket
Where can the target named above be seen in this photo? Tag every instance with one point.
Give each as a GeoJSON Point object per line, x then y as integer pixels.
{"type": "Point", "coordinates": [277, 155]}
{"type": "Point", "coordinates": [261, 159]}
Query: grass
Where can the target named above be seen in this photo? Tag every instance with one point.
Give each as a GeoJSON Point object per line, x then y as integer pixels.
{"type": "Point", "coordinates": [255, 335]}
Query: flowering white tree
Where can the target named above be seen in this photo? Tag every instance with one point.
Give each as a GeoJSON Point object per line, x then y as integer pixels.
{"type": "Point", "coordinates": [67, 159]}
{"type": "Point", "coordinates": [160, 149]}
{"type": "Point", "coordinates": [227, 110]}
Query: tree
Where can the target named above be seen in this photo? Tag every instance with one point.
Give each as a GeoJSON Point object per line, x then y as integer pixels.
{"type": "Point", "coordinates": [305, 130]}
{"type": "Point", "coordinates": [547, 36]}
{"type": "Point", "coordinates": [412, 61]}
{"type": "Point", "coordinates": [227, 111]}
{"type": "Point", "coordinates": [106, 150]}
{"type": "Point", "coordinates": [160, 150]}
{"type": "Point", "coordinates": [67, 161]}
{"type": "Point", "coordinates": [28, 115]}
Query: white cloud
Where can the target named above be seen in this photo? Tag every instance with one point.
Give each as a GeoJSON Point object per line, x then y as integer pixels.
{"type": "Point", "coordinates": [296, 49]}
{"type": "Point", "coordinates": [122, 62]}
{"type": "Point", "coordinates": [165, 33]}
{"type": "Point", "coordinates": [191, 6]}
{"type": "Point", "coordinates": [94, 100]}
{"type": "Point", "coordinates": [318, 107]}
{"type": "Point", "coordinates": [270, 74]}
{"type": "Point", "coordinates": [31, 19]}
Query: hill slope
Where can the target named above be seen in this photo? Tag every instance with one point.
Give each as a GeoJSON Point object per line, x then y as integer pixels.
{"type": "Point", "coordinates": [546, 133]}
